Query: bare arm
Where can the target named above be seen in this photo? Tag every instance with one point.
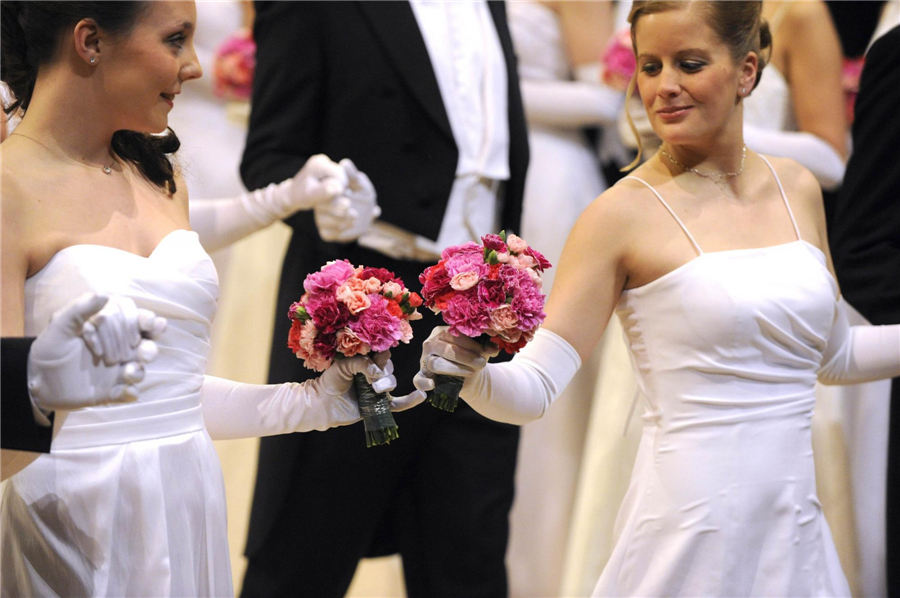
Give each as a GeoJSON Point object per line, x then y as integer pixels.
{"type": "Point", "coordinates": [813, 65]}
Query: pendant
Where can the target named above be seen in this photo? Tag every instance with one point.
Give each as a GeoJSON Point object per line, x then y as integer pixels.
{"type": "Point", "coordinates": [107, 170]}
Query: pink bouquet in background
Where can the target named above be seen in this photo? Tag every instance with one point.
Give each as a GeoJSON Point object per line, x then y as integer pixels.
{"type": "Point", "coordinates": [618, 61]}
{"type": "Point", "coordinates": [490, 292]}
{"type": "Point", "coordinates": [235, 63]}
{"type": "Point", "coordinates": [349, 311]}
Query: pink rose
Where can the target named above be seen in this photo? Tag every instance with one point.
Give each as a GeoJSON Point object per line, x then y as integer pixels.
{"type": "Point", "coordinates": [464, 281]}
{"type": "Point", "coordinates": [504, 318]}
{"type": "Point", "coordinates": [516, 244]}
{"type": "Point", "coordinates": [348, 344]}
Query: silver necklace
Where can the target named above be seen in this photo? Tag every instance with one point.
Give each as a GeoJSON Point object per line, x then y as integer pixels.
{"type": "Point", "coordinates": [105, 169]}
{"type": "Point", "coordinates": [720, 176]}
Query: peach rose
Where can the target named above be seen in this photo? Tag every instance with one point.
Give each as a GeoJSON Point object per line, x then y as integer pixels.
{"type": "Point", "coordinates": [391, 289]}
{"type": "Point", "coordinates": [373, 285]}
{"type": "Point", "coordinates": [503, 318]}
{"type": "Point", "coordinates": [516, 244]}
{"type": "Point", "coordinates": [464, 281]}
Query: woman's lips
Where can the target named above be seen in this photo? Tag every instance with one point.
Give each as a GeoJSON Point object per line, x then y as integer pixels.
{"type": "Point", "coordinates": [673, 113]}
{"type": "Point", "coordinates": [168, 99]}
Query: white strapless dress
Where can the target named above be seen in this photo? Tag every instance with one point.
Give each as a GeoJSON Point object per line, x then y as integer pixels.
{"type": "Point", "coordinates": [130, 502]}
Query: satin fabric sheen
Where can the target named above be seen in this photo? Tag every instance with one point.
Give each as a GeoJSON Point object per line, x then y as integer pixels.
{"type": "Point", "coordinates": [130, 502]}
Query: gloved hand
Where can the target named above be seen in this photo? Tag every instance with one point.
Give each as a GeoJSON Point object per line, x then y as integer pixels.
{"type": "Point", "coordinates": [83, 359]}
{"type": "Point", "coordinates": [448, 355]}
{"type": "Point", "coordinates": [235, 410]}
{"type": "Point", "coordinates": [347, 217]}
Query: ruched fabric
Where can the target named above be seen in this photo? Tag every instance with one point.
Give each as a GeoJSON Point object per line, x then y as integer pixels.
{"type": "Point", "coordinates": [131, 501]}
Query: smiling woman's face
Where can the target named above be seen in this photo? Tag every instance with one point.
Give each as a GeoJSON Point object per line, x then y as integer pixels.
{"type": "Point", "coordinates": [146, 67]}
{"type": "Point", "coordinates": [687, 78]}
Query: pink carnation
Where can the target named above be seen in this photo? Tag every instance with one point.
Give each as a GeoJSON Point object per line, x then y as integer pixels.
{"type": "Point", "coordinates": [465, 262]}
{"type": "Point", "coordinates": [329, 278]}
{"type": "Point", "coordinates": [372, 286]}
{"type": "Point", "coordinates": [348, 344]}
{"type": "Point", "coordinates": [465, 315]}
{"type": "Point", "coordinates": [492, 293]}
{"type": "Point", "coordinates": [406, 332]}
{"type": "Point", "coordinates": [317, 361]}
{"type": "Point", "coordinates": [469, 247]}
{"type": "Point", "coordinates": [376, 326]}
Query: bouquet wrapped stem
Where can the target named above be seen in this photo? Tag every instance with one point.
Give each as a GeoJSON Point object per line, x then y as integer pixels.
{"type": "Point", "coordinates": [445, 395]}
{"type": "Point", "coordinates": [375, 408]}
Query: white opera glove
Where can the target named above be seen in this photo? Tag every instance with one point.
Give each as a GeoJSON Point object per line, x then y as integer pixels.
{"type": "Point", "coordinates": [85, 358]}
{"type": "Point", "coordinates": [516, 392]}
{"type": "Point", "coordinates": [585, 102]}
{"type": "Point", "coordinates": [857, 354]}
{"type": "Point", "coordinates": [221, 222]}
{"type": "Point", "coordinates": [811, 151]}
{"type": "Point", "coordinates": [347, 217]}
{"type": "Point", "coordinates": [236, 410]}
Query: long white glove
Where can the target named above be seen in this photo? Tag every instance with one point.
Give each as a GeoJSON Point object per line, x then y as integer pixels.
{"type": "Point", "coordinates": [585, 102]}
{"type": "Point", "coordinates": [236, 410]}
{"type": "Point", "coordinates": [321, 184]}
{"type": "Point", "coordinates": [516, 392]}
{"type": "Point", "coordinates": [85, 358]}
{"type": "Point", "coordinates": [857, 354]}
{"type": "Point", "coordinates": [813, 152]}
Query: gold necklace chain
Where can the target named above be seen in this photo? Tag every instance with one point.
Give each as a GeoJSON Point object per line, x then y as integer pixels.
{"type": "Point", "coordinates": [105, 169]}
{"type": "Point", "coordinates": [708, 175]}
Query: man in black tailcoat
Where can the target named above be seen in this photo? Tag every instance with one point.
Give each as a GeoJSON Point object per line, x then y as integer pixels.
{"type": "Point", "coordinates": [357, 80]}
{"type": "Point", "coordinates": [865, 236]}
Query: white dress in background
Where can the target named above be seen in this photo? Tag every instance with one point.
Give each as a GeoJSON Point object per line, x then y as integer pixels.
{"type": "Point", "coordinates": [131, 500]}
{"type": "Point", "coordinates": [563, 178]}
{"type": "Point", "coordinates": [723, 499]}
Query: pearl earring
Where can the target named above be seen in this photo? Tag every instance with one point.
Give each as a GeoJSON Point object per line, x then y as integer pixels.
{"type": "Point", "coordinates": [743, 90]}
{"type": "Point", "coordinates": [93, 60]}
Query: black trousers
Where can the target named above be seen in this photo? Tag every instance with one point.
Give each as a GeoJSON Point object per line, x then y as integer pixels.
{"type": "Point", "coordinates": [440, 495]}
{"type": "Point", "coordinates": [893, 496]}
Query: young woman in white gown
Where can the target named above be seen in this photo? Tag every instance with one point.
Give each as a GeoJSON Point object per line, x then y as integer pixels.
{"type": "Point", "coordinates": [130, 500]}
{"type": "Point", "coordinates": [715, 259]}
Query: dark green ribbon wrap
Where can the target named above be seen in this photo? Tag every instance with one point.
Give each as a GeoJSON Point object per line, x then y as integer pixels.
{"type": "Point", "coordinates": [445, 395]}
{"type": "Point", "coordinates": [375, 408]}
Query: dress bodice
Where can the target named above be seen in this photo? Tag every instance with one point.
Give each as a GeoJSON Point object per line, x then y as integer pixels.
{"type": "Point", "coordinates": [537, 36]}
{"type": "Point", "coordinates": [751, 323]}
{"type": "Point", "coordinates": [177, 281]}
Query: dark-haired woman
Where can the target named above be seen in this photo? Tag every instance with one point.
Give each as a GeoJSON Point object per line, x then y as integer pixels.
{"type": "Point", "coordinates": [130, 501]}
{"type": "Point", "coordinates": [716, 261]}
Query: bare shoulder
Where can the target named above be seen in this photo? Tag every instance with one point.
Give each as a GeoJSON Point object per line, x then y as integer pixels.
{"type": "Point", "coordinates": [612, 217]}
{"type": "Point", "coordinates": [805, 197]}
{"type": "Point", "coordinates": [806, 14]}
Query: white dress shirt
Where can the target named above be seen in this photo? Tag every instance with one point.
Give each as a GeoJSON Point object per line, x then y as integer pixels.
{"type": "Point", "coordinates": [470, 68]}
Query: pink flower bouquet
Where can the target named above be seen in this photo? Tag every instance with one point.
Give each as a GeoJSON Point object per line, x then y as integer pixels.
{"type": "Point", "coordinates": [349, 311]}
{"type": "Point", "coordinates": [490, 292]}
{"type": "Point", "coordinates": [235, 63]}
{"type": "Point", "coordinates": [618, 61]}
